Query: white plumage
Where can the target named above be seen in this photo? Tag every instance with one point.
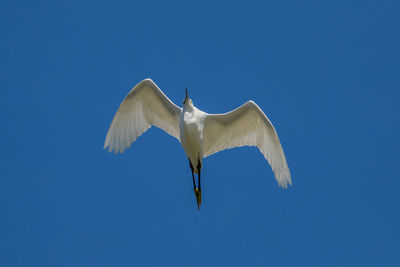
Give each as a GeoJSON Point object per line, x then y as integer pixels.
{"type": "Point", "coordinates": [144, 106]}
{"type": "Point", "coordinates": [201, 134]}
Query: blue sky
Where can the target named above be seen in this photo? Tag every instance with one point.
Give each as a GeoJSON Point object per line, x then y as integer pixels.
{"type": "Point", "coordinates": [325, 73]}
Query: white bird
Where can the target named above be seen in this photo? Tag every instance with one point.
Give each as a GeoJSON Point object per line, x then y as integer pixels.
{"type": "Point", "coordinates": [201, 134]}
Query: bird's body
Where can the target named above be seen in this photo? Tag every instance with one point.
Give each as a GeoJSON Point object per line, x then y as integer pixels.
{"type": "Point", "coordinates": [191, 133]}
{"type": "Point", "coordinates": [200, 134]}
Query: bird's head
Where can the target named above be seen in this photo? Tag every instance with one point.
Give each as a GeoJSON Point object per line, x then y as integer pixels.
{"type": "Point", "coordinates": [187, 101]}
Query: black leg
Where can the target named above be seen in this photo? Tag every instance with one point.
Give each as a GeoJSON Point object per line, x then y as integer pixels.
{"type": "Point", "coordinates": [191, 168]}
{"type": "Point", "coordinates": [199, 180]}
{"type": "Point", "coordinates": [198, 171]}
{"type": "Point", "coordinates": [199, 190]}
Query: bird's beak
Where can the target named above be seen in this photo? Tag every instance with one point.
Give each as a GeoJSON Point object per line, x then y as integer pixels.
{"type": "Point", "coordinates": [186, 97]}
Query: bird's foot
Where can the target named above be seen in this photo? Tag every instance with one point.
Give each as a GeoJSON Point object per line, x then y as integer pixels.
{"type": "Point", "coordinates": [197, 192]}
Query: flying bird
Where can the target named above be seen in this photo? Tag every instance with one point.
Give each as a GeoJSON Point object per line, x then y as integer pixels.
{"type": "Point", "coordinates": [200, 134]}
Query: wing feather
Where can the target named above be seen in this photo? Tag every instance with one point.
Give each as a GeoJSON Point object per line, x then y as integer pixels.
{"type": "Point", "coordinates": [144, 106]}
{"type": "Point", "coordinates": [246, 126]}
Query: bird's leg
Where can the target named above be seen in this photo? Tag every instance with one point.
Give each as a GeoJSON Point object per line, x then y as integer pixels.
{"type": "Point", "coordinates": [198, 196]}
{"type": "Point", "coordinates": [194, 183]}
{"type": "Point", "coordinates": [191, 168]}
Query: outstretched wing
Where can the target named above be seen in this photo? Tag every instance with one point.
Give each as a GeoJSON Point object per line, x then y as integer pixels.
{"type": "Point", "coordinates": [144, 106]}
{"type": "Point", "coordinates": [246, 126]}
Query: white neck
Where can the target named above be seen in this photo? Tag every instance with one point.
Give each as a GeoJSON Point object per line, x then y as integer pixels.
{"type": "Point", "coordinates": [188, 107]}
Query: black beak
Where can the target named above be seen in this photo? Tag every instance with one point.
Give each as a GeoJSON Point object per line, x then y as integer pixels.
{"type": "Point", "coordinates": [186, 97]}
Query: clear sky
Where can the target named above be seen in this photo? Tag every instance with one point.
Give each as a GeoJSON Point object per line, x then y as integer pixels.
{"type": "Point", "coordinates": [326, 73]}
